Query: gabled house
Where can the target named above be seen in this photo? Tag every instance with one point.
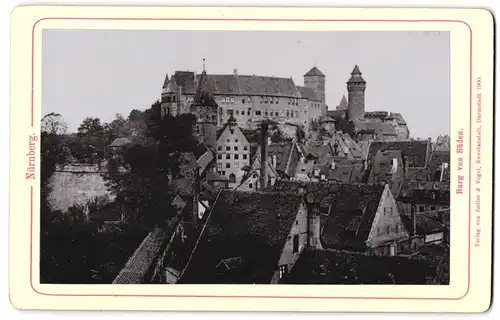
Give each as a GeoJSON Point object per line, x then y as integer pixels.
{"type": "Point", "coordinates": [251, 180]}
{"type": "Point", "coordinates": [355, 217]}
{"type": "Point", "coordinates": [388, 167]}
{"type": "Point", "coordinates": [233, 152]}
{"type": "Point", "coordinates": [251, 237]}
{"type": "Point", "coordinates": [286, 157]}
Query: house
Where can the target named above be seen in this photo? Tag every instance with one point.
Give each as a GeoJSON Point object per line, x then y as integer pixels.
{"type": "Point", "coordinates": [417, 152]}
{"type": "Point", "coordinates": [118, 144]}
{"type": "Point", "coordinates": [423, 196]}
{"type": "Point", "coordinates": [286, 157]}
{"type": "Point", "coordinates": [216, 181]}
{"type": "Point", "coordinates": [233, 152]}
{"type": "Point", "coordinates": [427, 228]}
{"type": "Point", "coordinates": [355, 217]}
{"type": "Point", "coordinates": [251, 237]}
{"type": "Point", "coordinates": [340, 267]}
{"type": "Point", "coordinates": [388, 167]}
{"type": "Point", "coordinates": [251, 180]}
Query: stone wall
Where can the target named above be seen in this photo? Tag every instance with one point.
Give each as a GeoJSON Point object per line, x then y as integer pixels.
{"type": "Point", "coordinates": [76, 184]}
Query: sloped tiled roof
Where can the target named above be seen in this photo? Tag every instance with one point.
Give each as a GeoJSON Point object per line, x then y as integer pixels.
{"type": "Point", "coordinates": [226, 84]}
{"type": "Point", "coordinates": [287, 156]}
{"type": "Point", "coordinates": [426, 191]}
{"type": "Point", "coordinates": [120, 142]}
{"type": "Point", "coordinates": [348, 201]}
{"type": "Point", "coordinates": [381, 170]}
{"type": "Point", "coordinates": [250, 225]}
{"type": "Point", "coordinates": [184, 182]}
{"type": "Point", "coordinates": [376, 127]}
{"type": "Point", "coordinates": [339, 267]}
{"type": "Point", "coordinates": [308, 93]}
{"type": "Point", "coordinates": [415, 151]}
{"type": "Point", "coordinates": [314, 72]}
{"type": "Point", "coordinates": [138, 266]}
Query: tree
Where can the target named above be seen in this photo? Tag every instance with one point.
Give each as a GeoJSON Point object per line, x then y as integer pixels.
{"type": "Point", "coordinates": [53, 123]}
{"type": "Point", "coordinates": [143, 187]}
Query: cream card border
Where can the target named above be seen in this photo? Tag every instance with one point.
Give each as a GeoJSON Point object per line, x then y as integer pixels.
{"type": "Point", "coordinates": [471, 43]}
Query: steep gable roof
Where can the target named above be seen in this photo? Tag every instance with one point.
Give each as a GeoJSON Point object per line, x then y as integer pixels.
{"type": "Point", "coordinates": [184, 182]}
{"type": "Point", "coordinates": [347, 202]}
{"type": "Point", "coordinates": [287, 156]}
{"type": "Point", "coordinates": [314, 72]}
{"type": "Point", "coordinates": [250, 225]}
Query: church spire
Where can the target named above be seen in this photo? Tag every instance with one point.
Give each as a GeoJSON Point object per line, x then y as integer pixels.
{"type": "Point", "coordinates": [165, 83]}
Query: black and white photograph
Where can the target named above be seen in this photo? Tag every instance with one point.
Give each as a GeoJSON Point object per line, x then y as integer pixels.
{"type": "Point", "coordinates": [245, 157]}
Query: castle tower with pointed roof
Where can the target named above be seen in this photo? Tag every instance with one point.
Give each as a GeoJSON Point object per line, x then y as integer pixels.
{"type": "Point", "coordinates": [315, 79]}
{"type": "Point", "coordinates": [205, 109]}
{"type": "Point", "coordinates": [356, 87]}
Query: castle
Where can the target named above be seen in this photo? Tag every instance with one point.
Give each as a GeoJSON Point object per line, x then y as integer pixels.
{"type": "Point", "coordinates": [249, 98]}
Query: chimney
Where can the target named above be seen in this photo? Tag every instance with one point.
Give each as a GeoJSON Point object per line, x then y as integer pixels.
{"type": "Point", "coordinates": [394, 165]}
{"type": "Point", "coordinates": [263, 157]}
{"type": "Point", "coordinates": [274, 161]}
{"type": "Point", "coordinates": [414, 220]}
{"type": "Point", "coordinates": [235, 73]}
{"type": "Point", "coordinates": [332, 165]}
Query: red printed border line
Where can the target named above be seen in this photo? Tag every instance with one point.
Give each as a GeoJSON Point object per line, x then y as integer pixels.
{"type": "Point", "coordinates": [256, 296]}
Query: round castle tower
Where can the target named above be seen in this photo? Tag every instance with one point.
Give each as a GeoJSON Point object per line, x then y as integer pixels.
{"type": "Point", "coordinates": [356, 87]}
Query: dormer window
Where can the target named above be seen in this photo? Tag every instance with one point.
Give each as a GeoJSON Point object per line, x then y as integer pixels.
{"type": "Point", "coordinates": [271, 100]}
{"type": "Point", "coordinates": [261, 99]}
{"type": "Point", "coordinates": [232, 99]}
{"type": "Point", "coordinates": [223, 100]}
{"type": "Point", "coordinates": [276, 100]}
{"type": "Point", "coordinates": [283, 271]}
{"type": "Point", "coordinates": [265, 100]}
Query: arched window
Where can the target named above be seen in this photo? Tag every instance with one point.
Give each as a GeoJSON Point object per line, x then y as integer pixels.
{"type": "Point", "coordinates": [232, 178]}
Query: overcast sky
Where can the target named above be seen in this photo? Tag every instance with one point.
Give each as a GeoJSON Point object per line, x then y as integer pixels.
{"type": "Point", "coordinates": [99, 73]}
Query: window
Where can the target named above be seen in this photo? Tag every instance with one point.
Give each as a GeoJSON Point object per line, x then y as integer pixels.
{"type": "Point", "coordinates": [261, 99]}
{"type": "Point", "coordinates": [228, 148]}
{"type": "Point", "coordinates": [265, 113]}
{"type": "Point", "coordinates": [245, 148]}
{"type": "Point", "coordinates": [223, 173]}
{"type": "Point", "coordinates": [237, 112]}
{"type": "Point", "coordinates": [219, 165]}
{"type": "Point", "coordinates": [433, 208]}
{"type": "Point", "coordinates": [248, 99]}
{"type": "Point", "coordinates": [265, 100]}
{"type": "Point", "coordinates": [277, 114]}
{"type": "Point", "coordinates": [276, 100]}
{"type": "Point", "coordinates": [283, 271]}
{"type": "Point", "coordinates": [296, 243]}
{"type": "Point", "coordinates": [257, 113]}
{"type": "Point", "coordinates": [271, 100]}
{"type": "Point", "coordinates": [232, 99]}
{"type": "Point", "coordinates": [242, 100]}
{"type": "Point", "coordinates": [244, 157]}
{"type": "Point", "coordinates": [228, 165]}
{"type": "Point", "coordinates": [397, 228]}
{"type": "Point", "coordinates": [421, 208]}
{"type": "Point", "coordinates": [236, 147]}
{"type": "Point", "coordinates": [388, 211]}
{"type": "Point", "coordinates": [236, 140]}
{"type": "Point", "coordinates": [236, 157]}
{"type": "Point", "coordinates": [223, 100]}
{"type": "Point", "coordinates": [289, 100]}
{"type": "Point", "coordinates": [433, 196]}
{"type": "Point", "coordinates": [288, 114]}
{"type": "Point", "coordinates": [219, 156]}
{"type": "Point", "coordinates": [232, 131]}
{"type": "Point", "coordinates": [232, 178]}
{"type": "Point", "coordinates": [228, 156]}
{"type": "Point", "coordinates": [248, 112]}
{"type": "Point", "coordinates": [229, 112]}
{"type": "Point", "coordinates": [388, 230]}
